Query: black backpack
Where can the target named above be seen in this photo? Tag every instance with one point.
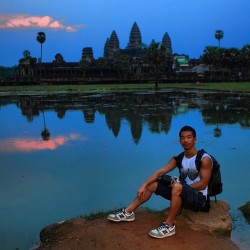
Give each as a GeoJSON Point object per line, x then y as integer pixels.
{"type": "Point", "coordinates": [215, 183]}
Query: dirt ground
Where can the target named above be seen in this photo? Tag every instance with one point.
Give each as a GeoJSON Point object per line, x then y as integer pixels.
{"type": "Point", "coordinates": [101, 234]}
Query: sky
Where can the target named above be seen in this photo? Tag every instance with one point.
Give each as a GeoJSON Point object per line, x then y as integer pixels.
{"type": "Point", "coordinates": [71, 25]}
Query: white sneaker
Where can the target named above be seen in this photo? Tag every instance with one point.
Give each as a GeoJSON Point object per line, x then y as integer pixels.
{"type": "Point", "coordinates": [122, 215]}
{"type": "Point", "coordinates": [164, 230]}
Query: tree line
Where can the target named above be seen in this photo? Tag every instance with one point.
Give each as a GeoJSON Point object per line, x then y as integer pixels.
{"type": "Point", "coordinates": [216, 57]}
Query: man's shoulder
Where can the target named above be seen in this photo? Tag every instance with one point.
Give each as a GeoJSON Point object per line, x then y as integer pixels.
{"type": "Point", "coordinates": [202, 154]}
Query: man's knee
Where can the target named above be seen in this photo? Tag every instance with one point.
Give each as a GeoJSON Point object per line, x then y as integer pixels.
{"type": "Point", "coordinates": [176, 189]}
{"type": "Point", "coordinates": [152, 187]}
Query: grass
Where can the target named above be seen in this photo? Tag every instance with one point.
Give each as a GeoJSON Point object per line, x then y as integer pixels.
{"type": "Point", "coordinates": [222, 86]}
{"type": "Point", "coordinates": [53, 89]}
{"type": "Point", "coordinates": [104, 214]}
{"type": "Point", "coordinates": [95, 216]}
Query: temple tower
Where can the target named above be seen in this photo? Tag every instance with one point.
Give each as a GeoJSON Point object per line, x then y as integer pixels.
{"type": "Point", "coordinates": [166, 42]}
{"type": "Point", "coordinates": [106, 48]}
{"type": "Point", "coordinates": [135, 39]}
{"type": "Point", "coordinates": [112, 46]}
{"type": "Point", "coordinates": [87, 54]}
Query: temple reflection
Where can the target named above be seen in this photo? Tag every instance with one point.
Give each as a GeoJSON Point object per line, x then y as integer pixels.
{"type": "Point", "coordinates": [155, 109]}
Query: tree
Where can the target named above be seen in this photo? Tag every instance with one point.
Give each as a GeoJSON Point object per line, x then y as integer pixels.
{"type": "Point", "coordinates": [157, 60]}
{"type": "Point", "coordinates": [219, 35]}
{"type": "Point", "coordinates": [101, 62]}
{"type": "Point", "coordinates": [212, 56]}
{"type": "Point", "coordinates": [26, 54]}
{"type": "Point", "coordinates": [58, 58]}
{"type": "Point", "coordinates": [121, 64]}
{"type": "Point", "coordinates": [245, 57]}
{"type": "Point", "coordinates": [41, 37]}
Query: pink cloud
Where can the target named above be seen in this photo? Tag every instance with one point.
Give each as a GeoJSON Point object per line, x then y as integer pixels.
{"type": "Point", "coordinates": [23, 21]}
{"type": "Point", "coordinates": [29, 145]}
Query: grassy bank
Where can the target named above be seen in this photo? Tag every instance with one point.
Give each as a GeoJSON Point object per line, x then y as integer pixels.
{"type": "Point", "coordinates": [45, 89]}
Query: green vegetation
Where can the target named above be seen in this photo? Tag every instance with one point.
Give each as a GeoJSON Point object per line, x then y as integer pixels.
{"type": "Point", "coordinates": [103, 214]}
{"type": "Point", "coordinates": [95, 216]}
{"type": "Point", "coordinates": [219, 35]}
{"type": "Point", "coordinates": [222, 86]}
{"type": "Point", "coordinates": [71, 89]}
{"type": "Point", "coordinates": [6, 72]}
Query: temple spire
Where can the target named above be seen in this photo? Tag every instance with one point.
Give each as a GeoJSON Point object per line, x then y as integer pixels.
{"type": "Point", "coordinates": [112, 46]}
{"type": "Point", "coordinates": [166, 42]}
{"type": "Point", "coordinates": [135, 39]}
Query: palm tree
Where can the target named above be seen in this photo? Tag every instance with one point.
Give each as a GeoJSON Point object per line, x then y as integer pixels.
{"type": "Point", "coordinates": [45, 132]}
{"type": "Point", "coordinates": [41, 37]}
{"type": "Point", "coordinates": [219, 35]}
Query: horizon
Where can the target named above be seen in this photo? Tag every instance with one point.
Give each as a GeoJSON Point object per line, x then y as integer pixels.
{"type": "Point", "coordinates": [73, 27]}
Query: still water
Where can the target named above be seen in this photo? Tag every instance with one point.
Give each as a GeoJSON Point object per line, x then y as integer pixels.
{"type": "Point", "coordinates": [100, 147]}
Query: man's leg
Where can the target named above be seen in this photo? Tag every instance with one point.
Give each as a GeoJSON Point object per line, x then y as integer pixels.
{"type": "Point", "coordinates": [167, 228]}
{"type": "Point", "coordinates": [127, 214]}
{"type": "Point", "coordinates": [136, 203]}
{"type": "Point", "coordinates": [175, 204]}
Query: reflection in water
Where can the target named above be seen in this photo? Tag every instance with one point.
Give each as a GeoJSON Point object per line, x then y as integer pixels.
{"type": "Point", "coordinates": [155, 109]}
{"type": "Point", "coordinates": [217, 132]}
{"type": "Point", "coordinates": [34, 144]}
{"type": "Point", "coordinates": [83, 175]}
{"type": "Point", "coordinates": [45, 133]}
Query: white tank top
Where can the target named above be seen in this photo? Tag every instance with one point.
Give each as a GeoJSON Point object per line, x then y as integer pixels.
{"type": "Point", "coordinates": [189, 171]}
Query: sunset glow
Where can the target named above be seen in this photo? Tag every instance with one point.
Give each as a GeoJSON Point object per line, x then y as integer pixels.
{"type": "Point", "coordinates": [23, 21]}
{"type": "Point", "coordinates": [35, 144]}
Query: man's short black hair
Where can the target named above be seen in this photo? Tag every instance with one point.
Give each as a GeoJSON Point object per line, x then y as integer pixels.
{"type": "Point", "coordinates": [187, 128]}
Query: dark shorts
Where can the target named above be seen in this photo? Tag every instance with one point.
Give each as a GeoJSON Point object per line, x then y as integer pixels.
{"type": "Point", "coordinates": [191, 199]}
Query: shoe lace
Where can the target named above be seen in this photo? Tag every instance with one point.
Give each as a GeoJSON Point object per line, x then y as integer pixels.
{"type": "Point", "coordinates": [163, 225]}
{"type": "Point", "coordinates": [121, 211]}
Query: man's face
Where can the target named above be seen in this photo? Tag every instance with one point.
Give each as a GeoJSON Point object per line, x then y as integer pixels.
{"type": "Point", "coordinates": [187, 140]}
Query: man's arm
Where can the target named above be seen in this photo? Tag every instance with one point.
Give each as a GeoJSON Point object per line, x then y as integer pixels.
{"type": "Point", "coordinates": [205, 174]}
{"type": "Point", "coordinates": [152, 178]}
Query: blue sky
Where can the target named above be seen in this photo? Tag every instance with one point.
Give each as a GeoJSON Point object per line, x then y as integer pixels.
{"type": "Point", "coordinates": [72, 25]}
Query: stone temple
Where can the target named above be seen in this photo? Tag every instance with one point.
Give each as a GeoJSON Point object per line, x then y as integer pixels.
{"type": "Point", "coordinates": [135, 46]}
{"type": "Point", "coordinates": [131, 64]}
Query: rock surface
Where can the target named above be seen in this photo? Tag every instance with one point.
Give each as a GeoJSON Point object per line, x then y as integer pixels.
{"type": "Point", "coordinates": [217, 221]}
{"type": "Point", "coordinates": [193, 231]}
{"type": "Point", "coordinates": [245, 209]}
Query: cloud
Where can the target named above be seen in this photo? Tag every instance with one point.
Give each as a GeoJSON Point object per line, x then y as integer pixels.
{"type": "Point", "coordinates": [34, 144]}
{"type": "Point", "coordinates": [24, 21]}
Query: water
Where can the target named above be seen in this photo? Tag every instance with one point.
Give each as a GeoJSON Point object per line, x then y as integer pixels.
{"type": "Point", "coordinates": [102, 147]}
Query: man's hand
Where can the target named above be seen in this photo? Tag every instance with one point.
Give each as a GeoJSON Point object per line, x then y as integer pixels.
{"type": "Point", "coordinates": [141, 192]}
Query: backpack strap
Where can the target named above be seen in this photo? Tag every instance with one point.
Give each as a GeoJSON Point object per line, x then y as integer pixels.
{"type": "Point", "coordinates": [178, 160]}
{"type": "Point", "coordinates": [199, 155]}
{"type": "Point", "coordinates": [198, 159]}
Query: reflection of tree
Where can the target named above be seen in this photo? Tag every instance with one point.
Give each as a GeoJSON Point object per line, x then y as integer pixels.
{"type": "Point", "coordinates": [244, 119]}
{"type": "Point", "coordinates": [153, 108]}
{"type": "Point", "coordinates": [60, 112]}
{"type": "Point", "coordinates": [217, 132]}
{"type": "Point", "coordinates": [225, 109]}
{"type": "Point", "coordinates": [159, 121]}
{"type": "Point", "coordinates": [45, 133]}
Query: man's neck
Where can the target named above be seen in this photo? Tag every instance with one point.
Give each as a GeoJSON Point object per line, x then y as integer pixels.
{"type": "Point", "coordinates": [189, 153]}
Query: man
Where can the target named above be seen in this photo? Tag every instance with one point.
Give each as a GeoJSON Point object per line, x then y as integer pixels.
{"type": "Point", "coordinates": [190, 192]}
